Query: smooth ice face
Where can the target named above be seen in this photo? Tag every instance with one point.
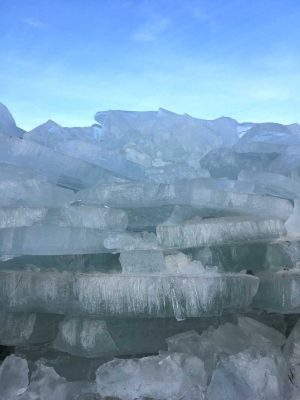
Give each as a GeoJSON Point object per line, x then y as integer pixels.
{"type": "Point", "coordinates": [170, 376]}
{"type": "Point", "coordinates": [213, 231]}
{"type": "Point", "coordinates": [142, 261]}
{"type": "Point", "coordinates": [84, 338]}
{"type": "Point", "coordinates": [199, 194]}
{"type": "Point", "coordinates": [60, 169]}
{"type": "Point", "coordinates": [13, 377]}
{"type": "Point", "coordinates": [279, 292]}
{"type": "Point", "coordinates": [126, 295]}
{"type": "Point", "coordinates": [249, 375]}
{"type": "Point", "coordinates": [51, 240]}
{"type": "Point", "coordinates": [292, 347]}
{"type": "Point", "coordinates": [23, 328]}
{"type": "Point", "coordinates": [33, 193]}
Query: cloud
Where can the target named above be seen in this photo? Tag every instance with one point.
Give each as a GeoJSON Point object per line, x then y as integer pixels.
{"type": "Point", "coordinates": [34, 23]}
{"type": "Point", "coordinates": [151, 30]}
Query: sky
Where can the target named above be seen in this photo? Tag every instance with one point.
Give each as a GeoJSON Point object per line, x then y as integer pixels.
{"type": "Point", "coordinates": [67, 59]}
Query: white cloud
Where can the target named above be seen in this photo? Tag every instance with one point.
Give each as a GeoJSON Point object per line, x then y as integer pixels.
{"type": "Point", "coordinates": [151, 30]}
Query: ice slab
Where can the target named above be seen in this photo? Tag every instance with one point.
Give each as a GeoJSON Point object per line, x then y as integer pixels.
{"type": "Point", "coordinates": [184, 378]}
{"type": "Point", "coordinates": [86, 144]}
{"type": "Point", "coordinates": [247, 375]}
{"type": "Point", "coordinates": [125, 295]}
{"type": "Point", "coordinates": [13, 377]}
{"type": "Point", "coordinates": [268, 183]}
{"type": "Point", "coordinates": [84, 337]}
{"type": "Point", "coordinates": [142, 261]}
{"type": "Point", "coordinates": [51, 240]}
{"type": "Point", "coordinates": [191, 193]}
{"type": "Point", "coordinates": [33, 193]}
{"type": "Point", "coordinates": [60, 169]}
{"type": "Point", "coordinates": [282, 254]}
{"type": "Point", "coordinates": [292, 347]}
{"type": "Point", "coordinates": [213, 231]}
{"type": "Point", "coordinates": [279, 292]}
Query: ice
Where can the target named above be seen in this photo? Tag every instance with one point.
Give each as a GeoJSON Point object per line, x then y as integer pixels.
{"type": "Point", "coordinates": [267, 138]}
{"type": "Point", "coordinates": [116, 295]}
{"type": "Point", "coordinates": [7, 123]}
{"type": "Point", "coordinates": [194, 193]}
{"type": "Point", "coordinates": [272, 184]}
{"type": "Point", "coordinates": [51, 240]}
{"type": "Point", "coordinates": [219, 231]}
{"type": "Point", "coordinates": [84, 337]}
{"type": "Point", "coordinates": [249, 375]}
{"type": "Point", "coordinates": [81, 216]}
{"type": "Point", "coordinates": [46, 384]}
{"type": "Point", "coordinates": [85, 144]}
{"type": "Point", "coordinates": [293, 222]}
{"type": "Point", "coordinates": [279, 292]}
{"type": "Point", "coordinates": [284, 254]}
{"type": "Point", "coordinates": [60, 169]}
{"type": "Point", "coordinates": [22, 328]}
{"type": "Point", "coordinates": [184, 378]}
{"type": "Point", "coordinates": [32, 193]}
{"type": "Point", "coordinates": [227, 339]}
{"type": "Point", "coordinates": [153, 235]}
{"type": "Point", "coordinates": [142, 261]}
{"type": "Point", "coordinates": [13, 377]}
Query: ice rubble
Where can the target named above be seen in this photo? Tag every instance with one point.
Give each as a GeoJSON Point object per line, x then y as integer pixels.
{"type": "Point", "coordinates": [152, 235]}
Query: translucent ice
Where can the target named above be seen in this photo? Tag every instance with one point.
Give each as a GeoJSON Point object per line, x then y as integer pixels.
{"type": "Point", "coordinates": [84, 337]}
{"type": "Point", "coordinates": [219, 231]}
{"type": "Point", "coordinates": [249, 375]}
{"type": "Point", "coordinates": [142, 261]}
{"type": "Point", "coordinates": [13, 377]}
{"type": "Point", "coordinates": [171, 376]}
{"type": "Point", "coordinates": [279, 292]}
{"type": "Point", "coordinates": [119, 295]}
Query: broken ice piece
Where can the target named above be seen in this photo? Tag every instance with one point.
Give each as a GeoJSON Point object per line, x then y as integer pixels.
{"type": "Point", "coordinates": [249, 375]}
{"type": "Point", "coordinates": [84, 338]}
{"type": "Point", "coordinates": [13, 377]}
{"type": "Point", "coordinates": [171, 376]}
{"type": "Point", "coordinates": [212, 231]}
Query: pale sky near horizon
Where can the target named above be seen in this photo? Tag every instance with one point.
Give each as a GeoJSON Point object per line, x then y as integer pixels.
{"type": "Point", "coordinates": [67, 59]}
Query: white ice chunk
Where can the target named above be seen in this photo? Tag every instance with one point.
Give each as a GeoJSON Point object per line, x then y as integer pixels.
{"type": "Point", "coordinates": [171, 376]}
{"type": "Point", "coordinates": [249, 376]}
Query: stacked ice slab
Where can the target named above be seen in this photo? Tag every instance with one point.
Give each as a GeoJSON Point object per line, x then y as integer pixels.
{"type": "Point", "coordinates": [143, 226]}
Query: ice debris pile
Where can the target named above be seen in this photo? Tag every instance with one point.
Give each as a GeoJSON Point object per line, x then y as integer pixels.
{"type": "Point", "coordinates": [150, 256]}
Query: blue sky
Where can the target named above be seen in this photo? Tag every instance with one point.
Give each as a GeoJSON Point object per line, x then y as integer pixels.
{"type": "Point", "coordinates": [67, 59]}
